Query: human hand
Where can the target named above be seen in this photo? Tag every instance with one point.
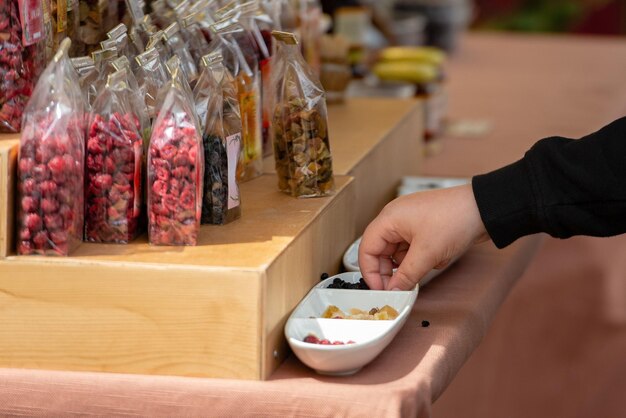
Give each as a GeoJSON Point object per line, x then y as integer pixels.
{"type": "Point", "coordinates": [419, 232]}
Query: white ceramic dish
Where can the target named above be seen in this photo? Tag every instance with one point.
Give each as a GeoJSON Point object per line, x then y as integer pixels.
{"type": "Point", "coordinates": [351, 263]}
{"type": "Point", "coordinates": [411, 184]}
{"type": "Point", "coordinates": [370, 337]}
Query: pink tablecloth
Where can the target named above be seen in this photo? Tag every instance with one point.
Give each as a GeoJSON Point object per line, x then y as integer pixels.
{"type": "Point", "coordinates": [414, 370]}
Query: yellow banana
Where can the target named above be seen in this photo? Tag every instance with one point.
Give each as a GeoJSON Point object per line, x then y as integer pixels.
{"type": "Point", "coordinates": [414, 72]}
{"type": "Point", "coordinates": [425, 54]}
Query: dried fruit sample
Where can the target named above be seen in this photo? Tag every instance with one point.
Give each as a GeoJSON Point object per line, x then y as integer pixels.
{"type": "Point", "coordinates": [300, 128]}
{"type": "Point", "coordinates": [312, 339]}
{"type": "Point", "coordinates": [385, 313]}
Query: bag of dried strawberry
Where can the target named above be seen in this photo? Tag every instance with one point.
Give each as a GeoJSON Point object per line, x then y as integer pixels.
{"type": "Point", "coordinates": [215, 97]}
{"type": "Point", "coordinates": [21, 58]}
{"type": "Point", "coordinates": [114, 165]}
{"type": "Point", "coordinates": [51, 162]}
{"type": "Point", "coordinates": [175, 170]}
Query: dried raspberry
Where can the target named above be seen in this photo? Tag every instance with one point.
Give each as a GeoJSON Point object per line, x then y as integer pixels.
{"type": "Point", "coordinates": [188, 199]}
{"type": "Point", "coordinates": [32, 221]}
{"type": "Point", "coordinates": [25, 234]}
{"type": "Point", "coordinates": [49, 205]}
{"type": "Point", "coordinates": [29, 204]}
{"type": "Point", "coordinates": [159, 188]}
{"type": "Point", "coordinates": [26, 165]}
{"type": "Point", "coordinates": [48, 188]}
{"type": "Point", "coordinates": [52, 222]}
{"type": "Point", "coordinates": [40, 239]}
{"type": "Point", "coordinates": [41, 172]}
{"type": "Point", "coordinates": [56, 165]}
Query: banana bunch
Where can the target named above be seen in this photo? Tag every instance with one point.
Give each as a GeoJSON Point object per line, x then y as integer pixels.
{"type": "Point", "coordinates": [409, 64]}
{"type": "Point", "coordinates": [416, 54]}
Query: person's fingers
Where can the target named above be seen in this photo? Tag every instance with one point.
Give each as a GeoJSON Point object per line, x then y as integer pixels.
{"type": "Point", "coordinates": [374, 256]}
{"type": "Point", "coordinates": [400, 253]}
{"type": "Point", "coordinates": [413, 267]}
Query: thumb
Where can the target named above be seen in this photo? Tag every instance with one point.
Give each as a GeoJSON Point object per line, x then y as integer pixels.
{"type": "Point", "coordinates": [413, 267]}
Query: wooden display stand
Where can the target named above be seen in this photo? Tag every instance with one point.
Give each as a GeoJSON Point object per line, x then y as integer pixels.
{"type": "Point", "coordinates": [217, 309]}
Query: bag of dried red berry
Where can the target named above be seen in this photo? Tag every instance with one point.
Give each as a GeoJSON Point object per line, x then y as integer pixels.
{"type": "Point", "coordinates": [51, 163]}
{"type": "Point", "coordinates": [175, 170]}
{"type": "Point", "coordinates": [216, 102]}
{"type": "Point", "coordinates": [114, 166]}
{"type": "Point", "coordinates": [21, 33]}
{"type": "Point", "coordinates": [299, 127]}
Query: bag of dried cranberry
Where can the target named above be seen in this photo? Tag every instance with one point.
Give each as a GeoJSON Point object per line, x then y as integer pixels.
{"type": "Point", "coordinates": [175, 170]}
{"type": "Point", "coordinates": [51, 163]}
{"type": "Point", "coordinates": [21, 33]}
{"type": "Point", "coordinates": [216, 102]}
{"type": "Point", "coordinates": [114, 165]}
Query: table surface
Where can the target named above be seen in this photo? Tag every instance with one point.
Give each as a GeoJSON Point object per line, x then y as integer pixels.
{"type": "Point", "coordinates": [556, 346]}
{"type": "Point", "coordinates": [486, 80]}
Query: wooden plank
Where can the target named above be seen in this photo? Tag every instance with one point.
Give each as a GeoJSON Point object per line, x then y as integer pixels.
{"type": "Point", "coordinates": [8, 172]}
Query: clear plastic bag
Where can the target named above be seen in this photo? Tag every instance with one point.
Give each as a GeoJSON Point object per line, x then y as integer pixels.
{"type": "Point", "coordinates": [260, 26]}
{"type": "Point", "coordinates": [21, 53]}
{"type": "Point", "coordinates": [300, 124]}
{"type": "Point", "coordinates": [51, 163]}
{"type": "Point", "coordinates": [114, 165]}
{"type": "Point", "coordinates": [217, 106]}
{"type": "Point", "coordinates": [237, 47]}
{"type": "Point", "coordinates": [151, 77]}
{"type": "Point", "coordinates": [174, 40]}
{"type": "Point", "coordinates": [175, 171]}
{"type": "Point", "coordinates": [88, 76]}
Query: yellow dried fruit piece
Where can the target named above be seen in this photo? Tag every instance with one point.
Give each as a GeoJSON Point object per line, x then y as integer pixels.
{"type": "Point", "coordinates": [333, 312]}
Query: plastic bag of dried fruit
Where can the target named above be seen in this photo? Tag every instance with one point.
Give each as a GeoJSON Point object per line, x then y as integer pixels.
{"type": "Point", "coordinates": [21, 50]}
{"type": "Point", "coordinates": [216, 102]}
{"type": "Point", "coordinates": [114, 165]}
{"type": "Point", "coordinates": [300, 124]}
{"type": "Point", "coordinates": [51, 161]}
{"type": "Point", "coordinates": [237, 47]}
{"type": "Point", "coordinates": [175, 170]}
{"type": "Point", "coordinates": [259, 25]}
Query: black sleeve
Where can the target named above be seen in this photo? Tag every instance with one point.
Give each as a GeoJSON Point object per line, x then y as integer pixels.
{"type": "Point", "coordinates": [562, 186]}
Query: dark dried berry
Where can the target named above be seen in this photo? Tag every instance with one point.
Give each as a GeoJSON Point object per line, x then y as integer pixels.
{"type": "Point", "coordinates": [324, 276]}
{"type": "Point", "coordinates": [425, 324]}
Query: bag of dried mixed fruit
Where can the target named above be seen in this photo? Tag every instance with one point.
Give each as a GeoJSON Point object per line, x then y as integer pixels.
{"type": "Point", "coordinates": [216, 102]}
{"type": "Point", "coordinates": [175, 170]}
{"type": "Point", "coordinates": [114, 165]}
{"type": "Point", "coordinates": [300, 124]}
{"type": "Point", "coordinates": [51, 162]}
